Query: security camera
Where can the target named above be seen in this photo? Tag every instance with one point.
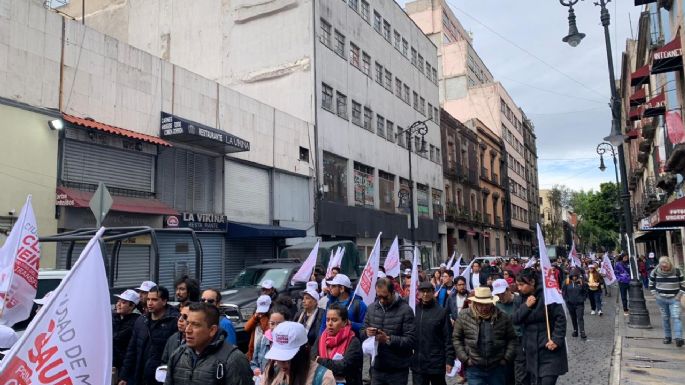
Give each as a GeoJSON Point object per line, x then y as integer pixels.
{"type": "Point", "coordinates": [12, 212]}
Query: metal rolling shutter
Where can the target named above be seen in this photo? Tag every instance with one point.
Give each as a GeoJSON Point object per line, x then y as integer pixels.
{"type": "Point", "coordinates": [133, 266]}
{"type": "Point", "coordinates": [212, 260]}
{"type": "Point", "coordinates": [246, 252]}
{"type": "Point", "coordinates": [248, 193]}
{"type": "Point", "coordinates": [90, 164]}
{"type": "Point", "coordinates": [187, 180]}
{"type": "Point", "coordinates": [63, 249]}
{"type": "Point", "coordinates": [176, 251]}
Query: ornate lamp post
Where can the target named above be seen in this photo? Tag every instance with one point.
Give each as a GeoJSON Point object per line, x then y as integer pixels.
{"type": "Point", "coordinates": [604, 148]}
{"type": "Point", "coordinates": [417, 130]}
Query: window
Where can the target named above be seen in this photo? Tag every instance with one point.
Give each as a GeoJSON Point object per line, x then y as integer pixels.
{"type": "Point", "coordinates": [430, 111]}
{"type": "Point", "coordinates": [304, 154]}
{"type": "Point", "coordinates": [377, 21]}
{"type": "Point", "coordinates": [386, 191]}
{"type": "Point", "coordinates": [398, 88]}
{"type": "Point", "coordinates": [354, 55]}
{"type": "Point", "coordinates": [435, 75]}
{"type": "Point", "coordinates": [356, 113]}
{"type": "Point", "coordinates": [334, 178]}
{"type": "Point", "coordinates": [379, 73]}
{"type": "Point", "coordinates": [390, 131]}
{"type": "Point", "coordinates": [406, 94]}
{"type": "Point", "coordinates": [325, 36]}
{"type": "Point", "coordinates": [438, 158]}
{"type": "Point", "coordinates": [388, 80]}
{"type": "Point", "coordinates": [386, 30]}
{"type": "Point", "coordinates": [327, 97]}
{"type": "Point", "coordinates": [420, 64]}
{"type": "Point", "coordinates": [422, 106]}
{"type": "Point", "coordinates": [431, 153]}
{"type": "Point", "coordinates": [436, 115]}
{"type": "Point", "coordinates": [398, 40]}
{"type": "Point", "coordinates": [405, 47]}
{"type": "Point", "coordinates": [380, 126]}
{"type": "Point", "coordinates": [366, 64]}
{"type": "Point", "coordinates": [437, 203]}
{"type": "Point", "coordinates": [416, 101]}
{"type": "Point", "coordinates": [413, 56]}
{"type": "Point", "coordinates": [354, 4]}
{"type": "Point", "coordinates": [341, 105]}
{"type": "Point", "coordinates": [428, 71]}
{"type": "Point", "coordinates": [363, 185]}
{"type": "Point", "coordinates": [339, 43]}
{"type": "Point", "coordinates": [365, 10]}
{"type": "Point", "coordinates": [368, 118]}
{"type": "Point", "coordinates": [422, 200]}
{"type": "Point", "coordinates": [400, 137]}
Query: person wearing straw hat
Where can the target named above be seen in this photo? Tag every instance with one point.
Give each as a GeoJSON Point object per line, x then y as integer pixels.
{"type": "Point", "coordinates": [289, 362]}
{"type": "Point", "coordinates": [484, 339]}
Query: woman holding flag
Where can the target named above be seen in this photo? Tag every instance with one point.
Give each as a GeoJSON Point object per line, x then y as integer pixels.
{"type": "Point", "coordinates": [544, 330]}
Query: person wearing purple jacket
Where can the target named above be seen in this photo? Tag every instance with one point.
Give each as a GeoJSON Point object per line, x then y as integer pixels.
{"type": "Point", "coordinates": [622, 271]}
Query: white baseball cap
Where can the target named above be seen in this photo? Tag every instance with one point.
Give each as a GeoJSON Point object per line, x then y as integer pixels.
{"type": "Point", "coordinates": [129, 295]}
{"type": "Point", "coordinates": [288, 337]}
{"type": "Point", "coordinates": [443, 265]}
{"type": "Point", "coordinates": [312, 293]}
{"type": "Point", "coordinates": [43, 300]}
{"type": "Point", "coordinates": [146, 286]}
{"type": "Point", "coordinates": [499, 286]}
{"type": "Point", "coordinates": [312, 285]}
{"type": "Point", "coordinates": [407, 271]}
{"type": "Point", "coordinates": [342, 280]}
{"type": "Point", "coordinates": [267, 284]}
{"type": "Point", "coordinates": [263, 304]}
{"type": "Point", "coordinates": [381, 274]}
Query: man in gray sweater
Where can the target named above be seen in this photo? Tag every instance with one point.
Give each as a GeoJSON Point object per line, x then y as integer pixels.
{"type": "Point", "coordinates": [667, 284]}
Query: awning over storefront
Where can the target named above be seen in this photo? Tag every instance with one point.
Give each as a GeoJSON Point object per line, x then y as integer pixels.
{"type": "Point", "coordinates": [186, 131]}
{"type": "Point", "coordinates": [669, 57]}
{"type": "Point", "coordinates": [656, 106]}
{"type": "Point", "coordinates": [633, 134]}
{"type": "Point", "coordinates": [635, 113]}
{"type": "Point", "coordinates": [71, 197]}
{"type": "Point", "coordinates": [250, 230]}
{"type": "Point", "coordinates": [89, 123]}
{"type": "Point", "coordinates": [670, 214]}
{"type": "Point", "coordinates": [639, 97]}
{"type": "Point", "coordinates": [640, 77]}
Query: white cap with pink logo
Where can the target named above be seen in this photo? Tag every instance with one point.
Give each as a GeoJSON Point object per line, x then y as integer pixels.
{"type": "Point", "coordinates": [288, 337]}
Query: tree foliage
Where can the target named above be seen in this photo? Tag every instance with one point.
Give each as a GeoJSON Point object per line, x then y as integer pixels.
{"type": "Point", "coordinates": [598, 219]}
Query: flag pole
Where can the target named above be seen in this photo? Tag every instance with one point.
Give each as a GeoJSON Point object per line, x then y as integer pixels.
{"type": "Point", "coordinates": [549, 334]}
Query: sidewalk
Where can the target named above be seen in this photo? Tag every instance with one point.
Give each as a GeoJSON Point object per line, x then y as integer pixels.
{"type": "Point", "coordinates": [643, 358]}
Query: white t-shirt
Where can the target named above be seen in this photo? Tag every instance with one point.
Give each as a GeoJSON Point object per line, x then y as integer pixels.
{"type": "Point", "coordinates": [460, 301]}
{"type": "Point", "coordinates": [475, 280]}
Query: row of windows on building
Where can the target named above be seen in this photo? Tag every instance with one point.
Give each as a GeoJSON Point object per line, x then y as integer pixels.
{"type": "Point", "coordinates": [335, 169]}
{"type": "Point", "coordinates": [511, 139]}
{"type": "Point", "coordinates": [363, 116]}
{"type": "Point", "coordinates": [393, 36]}
{"type": "Point", "coordinates": [362, 61]}
{"type": "Point", "coordinates": [518, 190]}
{"type": "Point", "coordinates": [511, 117]}
{"type": "Point", "coordinates": [519, 213]}
{"type": "Point", "coordinates": [517, 167]}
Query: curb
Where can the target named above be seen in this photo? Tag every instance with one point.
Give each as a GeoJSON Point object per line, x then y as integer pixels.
{"type": "Point", "coordinates": [615, 374]}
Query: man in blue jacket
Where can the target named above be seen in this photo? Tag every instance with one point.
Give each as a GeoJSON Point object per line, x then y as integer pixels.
{"type": "Point", "coordinates": [213, 297]}
{"type": "Point", "coordinates": [340, 292]}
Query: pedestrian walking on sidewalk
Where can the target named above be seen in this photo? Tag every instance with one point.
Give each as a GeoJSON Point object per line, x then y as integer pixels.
{"type": "Point", "coordinates": [546, 357]}
{"type": "Point", "coordinates": [595, 283]}
{"type": "Point", "coordinates": [575, 291]}
{"type": "Point", "coordinates": [667, 284]}
{"type": "Point", "coordinates": [622, 271]}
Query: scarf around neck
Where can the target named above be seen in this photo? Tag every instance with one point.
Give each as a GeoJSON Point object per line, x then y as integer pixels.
{"type": "Point", "coordinates": [337, 343]}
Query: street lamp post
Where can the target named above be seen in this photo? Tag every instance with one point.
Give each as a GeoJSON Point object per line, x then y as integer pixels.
{"type": "Point", "coordinates": [416, 130]}
{"type": "Point", "coordinates": [639, 316]}
{"type": "Point", "coordinates": [603, 148]}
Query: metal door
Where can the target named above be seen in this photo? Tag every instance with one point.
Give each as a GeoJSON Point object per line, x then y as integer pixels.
{"type": "Point", "coordinates": [212, 260]}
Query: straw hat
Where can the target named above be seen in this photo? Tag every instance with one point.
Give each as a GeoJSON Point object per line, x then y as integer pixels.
{"type": "Point", "coordinates": [483, 294]}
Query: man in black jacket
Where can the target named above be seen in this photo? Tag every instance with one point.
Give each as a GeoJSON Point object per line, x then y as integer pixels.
{"type": "Point", "coordinates": [123, 320]}
{"type": "Point", "coordinates": [150, 334]}
{"type": "Point", "coordinates": [434, 352]}
{"type": "Point", "coordinates": [391, 321]}
{"type": "Point", "coordinates": [206, 358]}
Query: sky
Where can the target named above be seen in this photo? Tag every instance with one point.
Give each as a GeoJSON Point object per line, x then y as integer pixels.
{"type": "Point", "coordinates": [563, 90]}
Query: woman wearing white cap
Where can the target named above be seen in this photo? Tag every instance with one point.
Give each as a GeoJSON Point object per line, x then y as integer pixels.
{"type": "Point", "coordinates": [289, 362]}
{"type": "Point", "coordinates": [310, 316]}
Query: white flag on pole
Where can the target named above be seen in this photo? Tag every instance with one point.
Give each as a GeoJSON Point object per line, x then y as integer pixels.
{"type": "Point", "coordinates": [552, 290]}
{"type": "Point", "coordinates": [414, 280]}
{"type": "Point", "coordinates": [573, 256]}
{"type": "Point", "coordinates": [457, 266]}
{"type": "Point", "coordinates": [70, 340]}
{"type": "Point", "coordinates": [19, 263]}
{"type": "Point", "coordinates": [466, 274]}
{"type": "Point", "coordinates": [366, 288]}
{"type": "Point", "coordinates": [608, 271]}
{"type": "Point", "coordinates": [304, 274]}
{"type": "Point", "coordinates": [531, 262]}
{"type": "Point", "coordinates": [392, 260]}
{"type": "Point", "coordinates": [449, 263]}
{"type": "Point", "coordinates": [331, 261]}
{"type": "Point", "coordinates": [339, 257]}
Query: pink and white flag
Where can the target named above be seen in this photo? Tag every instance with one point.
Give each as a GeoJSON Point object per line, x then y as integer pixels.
{"type": "Point", "coordinates": [304, 274]}
{"type": "Point", "coordinates": [414, 280]}
{"type": "Point", "coordinates": [531, 262]}
{"type": "Point", "coordinates": [457, 265]}
{"type": "Point", "coordinates": [573, 256]}
{"type": "Point", "coordinates": [607, 271]}
{"type": "Point", "coordinates": [392, 260]}
{"type": "Point", "coordinates": [552, 289]}
{"type": "Point", "coordinates": [70, 339]}
{"type": "Point", "coordinates": [366, 288]}
{"type": "Point", "coordinates": [331, 261]}
{"type": "Point", "coordinates": [449, 263]}
{"type": "Point", "coordinates": [19, 263]}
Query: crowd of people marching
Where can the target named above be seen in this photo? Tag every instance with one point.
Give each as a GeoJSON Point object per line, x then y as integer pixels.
{"type": "Point", "coordinates": [488, 325]}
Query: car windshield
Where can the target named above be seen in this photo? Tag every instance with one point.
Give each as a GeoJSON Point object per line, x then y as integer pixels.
{"type": "Point", "coordinates": [255, 276]}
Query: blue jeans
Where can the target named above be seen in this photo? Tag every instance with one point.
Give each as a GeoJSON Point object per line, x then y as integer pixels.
{"type": "Point", "coordinates": [597, 295]}
{"type": "Point", "coordinates": [480, 376]}
{"type": "Point", "coordinates": [670, 309]}
{"type": "Point", "coordinates": [623, 288]}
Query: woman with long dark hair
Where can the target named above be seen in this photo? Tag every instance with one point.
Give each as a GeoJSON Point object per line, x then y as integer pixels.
{"type": "Point", "coordinates": [289, 362]}
{"type": "Point", "coordinates": [546, 356]}
{"type": "Point", "coordinates": [338, 348]}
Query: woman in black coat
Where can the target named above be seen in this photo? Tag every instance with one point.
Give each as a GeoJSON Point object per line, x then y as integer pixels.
{"type": "Point", "coordinates": [338, 348]}
{"type": "Point", "coordinates": [546, 358]}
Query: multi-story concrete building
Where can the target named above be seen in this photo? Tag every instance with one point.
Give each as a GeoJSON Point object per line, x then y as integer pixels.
{"type": "Point", "coordinates": [529, 142]}
{"type": "Point", "coordinates": [361, 72]}
{"type": "Point", "coordinates": [467, 91]}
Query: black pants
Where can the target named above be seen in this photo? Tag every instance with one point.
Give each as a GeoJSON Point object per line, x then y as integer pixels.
{"type": "Point", "coordinates": [623, 287]}
{"type": "Point", "coordinates": [426, 379]}
{"type": "Point", "coordinates": [593, 305]}
{"type": "Point", "coordinates": [521, 376]}
{"type": "Point", "coordinates": [576, 313]}
{"type": "Point", "coordinates": [390, 377]}
{"type": "Point", "coordinates": [547, 380]}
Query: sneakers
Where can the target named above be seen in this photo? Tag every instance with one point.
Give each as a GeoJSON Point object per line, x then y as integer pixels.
{"type": "Point", "coordinates": [625, 312]}
{"type": "Point", "coordinates": [667, 340]}
{"type": "Point", "coordinates": [583, 336]}
{"type": "Point", "coordinates": [600, 313]}
{"type": "Point", "coordinates": [679, 342]}
{"type": "Point", "coordinates": [592, 312]}
{"type": "Point", "coordinates": [574, 334]}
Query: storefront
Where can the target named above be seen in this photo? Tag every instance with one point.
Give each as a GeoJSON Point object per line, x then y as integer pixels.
{"type": "Point", "coordinates": [672, 216]}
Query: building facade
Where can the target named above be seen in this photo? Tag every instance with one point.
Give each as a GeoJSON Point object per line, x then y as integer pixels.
{"type": "Point", "coordinates": [532, 182]}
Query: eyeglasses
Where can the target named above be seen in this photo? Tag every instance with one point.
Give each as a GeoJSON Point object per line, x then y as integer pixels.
{"type": "Point", "coordinates": [208, 300]}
